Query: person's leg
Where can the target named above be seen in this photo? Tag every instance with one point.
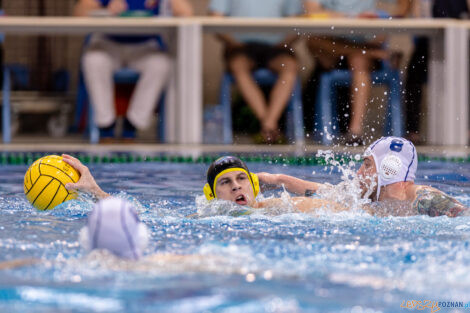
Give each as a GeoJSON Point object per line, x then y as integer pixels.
{"type": "Point", "coordinates": [324, 50]}
{"type": "Point", "coordinates": [286, 67]}
{"type": "Point", "coordinates": [98, 65]}
{"type": "Point", "coordinates": [360, 90]}
{"type": "Point", "coordinates": [327, 55]}
{"type": "Point", "coordinates": [155, 69]}
{"type": "Point", "coordinates": [241, 66]}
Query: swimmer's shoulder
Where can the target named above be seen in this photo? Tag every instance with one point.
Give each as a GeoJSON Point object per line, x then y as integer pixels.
{"type": "Point", "coordinates": [433, 202]}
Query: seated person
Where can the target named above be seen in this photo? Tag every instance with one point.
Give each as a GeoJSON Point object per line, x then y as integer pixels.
{"type": "Point", "coordinates": [417, 69]}
{"type": "Point", "coordinates": [387, 178]}
{"type": "Point", "coordinates": [105, 54]}
{"type": "Point", "coordinates": [355, 52]}
{"type": "Point", "coordinates": [247, 52]}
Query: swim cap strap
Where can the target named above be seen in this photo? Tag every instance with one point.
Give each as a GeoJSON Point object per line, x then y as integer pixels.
{"type": "Point", "coordinates": [254, 180]}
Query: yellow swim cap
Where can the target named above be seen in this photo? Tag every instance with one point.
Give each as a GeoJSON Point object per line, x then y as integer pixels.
{"type": "Point", "coordinates": [224, 165]}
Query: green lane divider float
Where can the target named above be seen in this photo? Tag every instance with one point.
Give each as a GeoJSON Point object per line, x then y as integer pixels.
{"type": "Point", "coordinates": [26, 158]}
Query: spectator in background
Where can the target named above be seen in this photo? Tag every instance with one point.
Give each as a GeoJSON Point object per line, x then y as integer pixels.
{"type": "Point", "coordinates": [356, 52]}
{"type": "Point", "coordinates": [143, 53]}
{"type": "Point", "coordinates": [417, 70]}
{"type": "Point", "coordinates": [247, 52]}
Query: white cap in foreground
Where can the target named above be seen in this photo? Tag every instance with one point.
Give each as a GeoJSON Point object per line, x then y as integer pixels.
{"type": "Point", "coordinates": [115, 226]}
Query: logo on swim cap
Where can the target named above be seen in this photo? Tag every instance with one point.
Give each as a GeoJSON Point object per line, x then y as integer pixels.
{"type": "Point", "coordinates": [396, 145]}
{"type": "Point", "coordinates": [390, 167]}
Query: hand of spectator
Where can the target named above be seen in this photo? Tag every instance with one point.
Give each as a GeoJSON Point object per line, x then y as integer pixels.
{"type": "Point", "coordinates": [378, 54]}
{"type": "Point", "coordinates": [151, 4]}
{"type": "Point", "coordinates": [116, 7]}
{"type": "Point", "coordinates": [288, 41]}
{"type": "Point", "coordinates": [233, 44]}
{"type": "Point", "coordinates": [395, 59]}
{"type": "Point", "coordinates": [86, 182]}
{"type": "Point", "coordinates": [368, 14]}
{"type": "Point", "coordinates": [229, 42]}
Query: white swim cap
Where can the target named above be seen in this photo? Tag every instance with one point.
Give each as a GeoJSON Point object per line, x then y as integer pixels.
{"type": "Point", "coordinates": [114, 225]}
{"type": "Point", "coordinates": [395, 158]}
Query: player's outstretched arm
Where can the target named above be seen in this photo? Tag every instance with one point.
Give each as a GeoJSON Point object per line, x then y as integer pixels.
{"type": "Point", "coordinates": [303, 204]}
{"type": "Point", "coordinates": [292, 184]}
{"type": "Point", "coordinates": [86, 183]}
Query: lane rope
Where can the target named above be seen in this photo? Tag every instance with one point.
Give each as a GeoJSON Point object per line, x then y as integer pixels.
{"type": "Point", "coordinates": [27, 158]}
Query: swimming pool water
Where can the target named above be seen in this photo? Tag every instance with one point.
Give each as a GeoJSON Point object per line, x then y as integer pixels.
{"type": "Point", "coordinates": [289, 262]}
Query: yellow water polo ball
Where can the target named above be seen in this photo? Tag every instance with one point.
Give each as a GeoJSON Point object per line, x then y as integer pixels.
{"type": "Point", "coordinates": [44, 182]}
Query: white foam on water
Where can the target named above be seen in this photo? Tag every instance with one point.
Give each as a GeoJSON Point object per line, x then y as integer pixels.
{"type": "Point", "coordinates": [69, 299]}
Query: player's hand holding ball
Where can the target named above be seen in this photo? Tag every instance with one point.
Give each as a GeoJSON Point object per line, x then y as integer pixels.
{"type": "Point", "coordinates": [86, 183]}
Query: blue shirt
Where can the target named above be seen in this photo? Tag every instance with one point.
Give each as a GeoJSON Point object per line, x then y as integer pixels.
{"type": "Point", "coordinates": [349, 7]}
{"type": "Point", "coordinates": [257, 8]}
{"type": "Point", "coordinates": [161, 8]}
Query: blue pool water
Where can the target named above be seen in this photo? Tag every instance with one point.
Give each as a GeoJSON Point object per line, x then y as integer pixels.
{"type": "Point", "coordinates": [284, 262]}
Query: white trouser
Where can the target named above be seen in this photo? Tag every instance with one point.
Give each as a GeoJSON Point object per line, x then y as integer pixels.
{"type": "Point", "coordinates": [103, 57]}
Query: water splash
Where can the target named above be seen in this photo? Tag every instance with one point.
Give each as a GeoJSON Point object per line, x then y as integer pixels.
{"type": "Point", "coordinates": [348, 192]}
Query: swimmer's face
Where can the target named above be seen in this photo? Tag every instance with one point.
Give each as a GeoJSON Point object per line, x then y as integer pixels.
{"type": "Point", "coordinates": [235, 186]}
{"type": "Point", "coordinates": [367, 174]}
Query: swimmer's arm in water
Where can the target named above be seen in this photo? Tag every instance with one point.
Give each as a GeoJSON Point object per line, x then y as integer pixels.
{"type": "Point", "coordinates": [86, 183]}
{"type": "Point", "coordinates": [292, 184]}
{"type": "Point", "coordinates": [303, 204]}
{"type": "Point", "coordinates": [8, 265]}
{"type": "Point", "coordinates": [432, 202]}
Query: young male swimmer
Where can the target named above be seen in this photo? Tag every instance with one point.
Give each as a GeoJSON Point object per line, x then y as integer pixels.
{"type": "Point", "coordinates": [228, 178]}
{"type": "Point", "coordinates": [387, 175]}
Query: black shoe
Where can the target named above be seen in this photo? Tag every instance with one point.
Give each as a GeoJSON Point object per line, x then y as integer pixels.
{"type": "Point", "coordinates": [107, 132]}
{"type": "Point", "coordinates": [128, 130]}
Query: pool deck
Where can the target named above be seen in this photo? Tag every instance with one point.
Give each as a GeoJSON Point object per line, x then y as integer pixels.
{"type": "Point", "coordinates": [41, 145]}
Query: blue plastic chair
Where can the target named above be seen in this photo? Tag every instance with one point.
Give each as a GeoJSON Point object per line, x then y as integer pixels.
{"type": "Point", "coordinates": [6, 104]}
{"type": "Point", "coordinates": [325, 104]}
{"type": "Point", "coordinates": [122, 76]}
{"type": "Point", "coordinates": [6, 110]}
{"type": "Point", "coordinates": [264, 77]}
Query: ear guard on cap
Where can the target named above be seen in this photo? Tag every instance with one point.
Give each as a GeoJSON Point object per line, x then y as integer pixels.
{"type": "Point", "coordinates": [208, 192]}
{"type": "Point", "coordinates": [254, 183]}
{"type": "Point", "coordinates": [390, 167]}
